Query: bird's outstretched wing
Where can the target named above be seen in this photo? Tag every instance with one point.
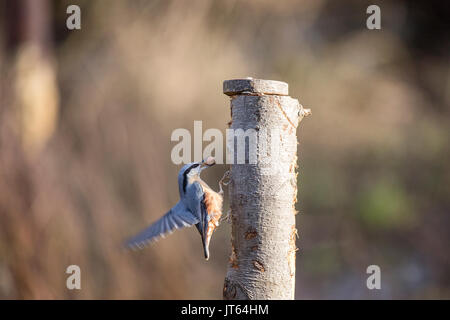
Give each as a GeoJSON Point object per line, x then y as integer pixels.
{"type": "Point", "coordinates": [177, 217]}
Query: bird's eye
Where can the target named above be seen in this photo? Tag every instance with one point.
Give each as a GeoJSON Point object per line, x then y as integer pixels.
{"type": "Point", "coordinates": [190, 170]}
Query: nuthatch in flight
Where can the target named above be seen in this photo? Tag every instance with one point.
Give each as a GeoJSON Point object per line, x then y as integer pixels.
{"type": "Point", "coordinates": [199, 205]}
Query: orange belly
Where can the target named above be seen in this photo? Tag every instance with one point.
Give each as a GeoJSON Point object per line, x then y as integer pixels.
{"type": "Point", "coordinates": [213, 202]}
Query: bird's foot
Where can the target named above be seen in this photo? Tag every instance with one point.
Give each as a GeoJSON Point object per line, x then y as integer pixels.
{"type": "Point", "coordinates": [224, 181]}
{"type": "Point", "coordinates": [227, 217]}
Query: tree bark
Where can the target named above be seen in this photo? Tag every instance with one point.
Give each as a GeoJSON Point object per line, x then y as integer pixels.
{"type": "Point", "coordinates": [263, 193]}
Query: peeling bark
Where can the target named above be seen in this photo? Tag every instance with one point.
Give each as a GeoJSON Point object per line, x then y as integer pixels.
{"type": "Point", "coordinates": [263, 195]}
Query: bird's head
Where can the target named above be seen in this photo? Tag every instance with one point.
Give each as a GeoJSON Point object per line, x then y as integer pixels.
{"type": "Point", "coordinates": [193, 169]}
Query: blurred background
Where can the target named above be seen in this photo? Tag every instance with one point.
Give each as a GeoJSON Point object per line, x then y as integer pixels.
{"type": "Point", "coordinates": [86, 118]}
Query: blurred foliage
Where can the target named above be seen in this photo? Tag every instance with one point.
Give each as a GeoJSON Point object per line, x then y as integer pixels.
{"type": "Point", "coordinates": [385, 205]}
{"type": "Point", "coordinates": [87, 166]}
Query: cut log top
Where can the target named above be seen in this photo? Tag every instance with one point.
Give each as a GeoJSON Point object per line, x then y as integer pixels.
{"type": "Point", "coordinates": [255, 86]}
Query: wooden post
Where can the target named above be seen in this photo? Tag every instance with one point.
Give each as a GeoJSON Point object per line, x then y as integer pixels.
{"type": "Point", "coordinates": [263, 193]}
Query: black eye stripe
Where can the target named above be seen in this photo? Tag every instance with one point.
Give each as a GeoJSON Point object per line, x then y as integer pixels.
{"type": "Point", "coordinates": [195, 165]}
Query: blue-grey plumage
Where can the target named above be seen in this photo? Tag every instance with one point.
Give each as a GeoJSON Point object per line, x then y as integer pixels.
{"type": "Point", "coordinates": [199, 205]}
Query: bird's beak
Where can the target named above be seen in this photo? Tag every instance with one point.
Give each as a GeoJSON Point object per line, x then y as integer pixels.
{"type": "Point", "coordinates": [208, 162]}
